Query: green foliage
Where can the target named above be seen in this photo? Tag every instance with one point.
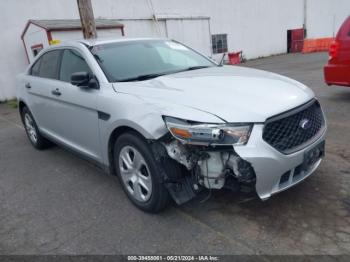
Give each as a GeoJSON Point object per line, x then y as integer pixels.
{"type": "Point", "coordinates": [12, 103]}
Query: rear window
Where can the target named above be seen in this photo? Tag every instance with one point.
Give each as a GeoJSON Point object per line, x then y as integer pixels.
{"type": "Point", "coordinates": [344, 30]}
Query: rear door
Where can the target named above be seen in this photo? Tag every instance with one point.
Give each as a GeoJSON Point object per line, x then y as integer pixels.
{"type": "Point", "coordinates": [42, 79]}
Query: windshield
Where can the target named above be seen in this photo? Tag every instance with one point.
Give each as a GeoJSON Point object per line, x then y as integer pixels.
{"type": "Point", "coordinates": [145, 59]}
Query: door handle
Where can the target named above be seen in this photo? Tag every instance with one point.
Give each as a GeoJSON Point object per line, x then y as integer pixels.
{"type": "Point", "coordinates": [27, 85]}
{"type": "Point", "coordinates": [56, 92]}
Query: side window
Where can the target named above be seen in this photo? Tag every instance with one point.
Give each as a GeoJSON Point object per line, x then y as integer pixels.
{"type": "Point", "coordinates": [72, 62]}
{"type": "Point", "coordinates": [49, 64]}
{"type": "Point", "coordinates": [35, 68]}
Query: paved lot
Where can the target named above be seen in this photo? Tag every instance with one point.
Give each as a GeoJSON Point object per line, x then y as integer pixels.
{"type": "Point", "coordinates": [52, 202]}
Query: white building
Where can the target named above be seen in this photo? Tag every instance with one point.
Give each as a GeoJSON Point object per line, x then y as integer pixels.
{"type": "Point", "coordinates": [258, 27]}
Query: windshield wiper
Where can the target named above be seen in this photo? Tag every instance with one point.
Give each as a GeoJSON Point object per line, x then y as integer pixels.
{"type": "Point", "coordinates": [193, 68]}
{"type": "Point", "coordinates": [141, 77]}
{"type": "Point", "coordinates": [150, 76]}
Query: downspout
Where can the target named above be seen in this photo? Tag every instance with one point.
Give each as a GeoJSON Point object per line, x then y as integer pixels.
{"type": "Point", "coordinates": [305, 18]}
{"type": "Point", "coordinates": [154, 16]}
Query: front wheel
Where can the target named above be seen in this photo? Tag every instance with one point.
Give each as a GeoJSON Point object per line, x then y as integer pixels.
{"type": "Point", "coordinates": [139, 173]}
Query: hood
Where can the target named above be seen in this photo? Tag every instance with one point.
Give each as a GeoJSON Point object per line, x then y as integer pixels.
{"type": "Point", "coordinates": [232, 93]}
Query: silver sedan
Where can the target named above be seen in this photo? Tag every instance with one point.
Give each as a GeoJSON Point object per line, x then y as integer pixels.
{"type": "Point", "coordinates": [170, 122]}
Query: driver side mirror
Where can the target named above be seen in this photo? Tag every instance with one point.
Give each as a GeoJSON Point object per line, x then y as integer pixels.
{"type": "Point", "coordinates": [84, 80]}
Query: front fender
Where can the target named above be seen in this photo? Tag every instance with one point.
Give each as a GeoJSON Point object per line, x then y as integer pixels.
{"type": "Point", "coordinates": [150, 126]}
{"type": "Point", "coordinates": [143, 115]}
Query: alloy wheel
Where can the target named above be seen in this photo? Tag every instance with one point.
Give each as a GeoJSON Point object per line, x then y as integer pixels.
{"type": "Point", "coordinates": [135, 173]}
{"type": "Point", "coordinates": [29, 124]}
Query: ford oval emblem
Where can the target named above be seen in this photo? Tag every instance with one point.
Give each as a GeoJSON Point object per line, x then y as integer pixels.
{"type": "Point", "coordinates": [305, 124]}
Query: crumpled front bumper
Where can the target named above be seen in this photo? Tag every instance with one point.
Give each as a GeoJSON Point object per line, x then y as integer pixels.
{"type": "Point", "coordinates": [270, 165]}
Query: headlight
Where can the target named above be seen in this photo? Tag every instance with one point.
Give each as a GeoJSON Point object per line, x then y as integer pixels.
{"type": "Point", "coordinates": [208, 134]}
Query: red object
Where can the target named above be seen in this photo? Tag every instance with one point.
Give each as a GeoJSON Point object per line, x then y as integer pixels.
{"type": "Point", "coordinates": [297, 40]}
{"type": "Point", "coordinates": [337, 71]}
{"type": "Point", "coordinates": [317, 44]}
{"type": "Point", "coordinates": [235, 58]}
{"type": "Point", "coordinates": [334, 49]}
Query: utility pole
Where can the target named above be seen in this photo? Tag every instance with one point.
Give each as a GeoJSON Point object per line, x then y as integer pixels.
{"type": "Point", "coordinates": [87, 19]}
{"type": "Point", "coordinates": [305, 18]}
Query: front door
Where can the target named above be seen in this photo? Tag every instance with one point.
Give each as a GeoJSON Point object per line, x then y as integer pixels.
{"type": "Point", "coordinates": [76, 116]}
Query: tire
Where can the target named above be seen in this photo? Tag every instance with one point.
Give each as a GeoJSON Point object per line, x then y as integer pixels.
{"type": "Point", "coordinates": [139, 173]}
{"type": "Point", "coordinates": [32, 131]}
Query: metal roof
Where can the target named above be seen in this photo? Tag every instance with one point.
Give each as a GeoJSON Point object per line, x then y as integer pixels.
{"type": "Point", "coordinates": [74, 24]}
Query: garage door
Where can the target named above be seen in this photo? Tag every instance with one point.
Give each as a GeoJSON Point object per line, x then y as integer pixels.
{"type": "Point", "coordinates": [192, 32]}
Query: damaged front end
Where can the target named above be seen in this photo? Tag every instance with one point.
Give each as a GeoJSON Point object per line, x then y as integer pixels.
{"type": "Point", "coordinates": [202, 156]}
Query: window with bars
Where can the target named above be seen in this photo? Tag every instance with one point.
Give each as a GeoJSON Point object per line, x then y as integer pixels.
{"type": "Point", "coordinates": [219, 43]}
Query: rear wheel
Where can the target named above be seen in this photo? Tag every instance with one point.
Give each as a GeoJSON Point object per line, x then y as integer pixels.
{"type": "Point", "coordinates": [36, 139]}
{"type": "Point", "coordinates": [139, 173]}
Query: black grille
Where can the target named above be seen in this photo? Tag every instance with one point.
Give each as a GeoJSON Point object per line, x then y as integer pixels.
{"type": "Point", "coordinates": [290, 131]}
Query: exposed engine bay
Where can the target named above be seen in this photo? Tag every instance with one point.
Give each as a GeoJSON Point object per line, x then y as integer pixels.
{"type": "Point", "coordinates": [210, 167]}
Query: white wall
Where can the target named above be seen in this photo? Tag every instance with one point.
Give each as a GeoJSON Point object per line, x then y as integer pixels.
{"type": "Point", "coordinates": [77, 34]}
{"type": "Point", "coordinates": [324, 17]}
{"type": "Point", "coordinates": [13, 18]}
{"type": "Point", "coordinates": [143, 28]}
{"type": "Point", "coordinates": [258, 27]}
{"type": "Point", "coordinates": [192, 32]}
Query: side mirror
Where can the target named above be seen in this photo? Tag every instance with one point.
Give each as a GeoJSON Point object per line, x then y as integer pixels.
{"type": "Point", "coordinates": [84, 80]}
